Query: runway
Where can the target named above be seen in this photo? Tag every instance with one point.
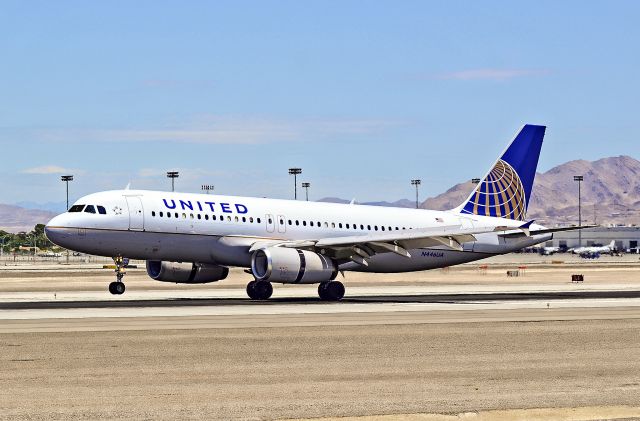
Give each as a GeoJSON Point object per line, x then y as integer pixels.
{"type": "Point", "coordinates": [498, 348]}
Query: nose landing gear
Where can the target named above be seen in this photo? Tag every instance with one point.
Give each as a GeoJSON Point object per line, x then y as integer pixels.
{"type": "Point", "coordinates": [117, 287]}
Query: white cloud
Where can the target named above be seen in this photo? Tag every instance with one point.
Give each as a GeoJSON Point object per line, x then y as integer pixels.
{"type": "Point", "coordinates": [493, 74]}
{"type": "Point", "coordinates": [49, 169]}
{"type": "Point", "coordinates": [221, 130]}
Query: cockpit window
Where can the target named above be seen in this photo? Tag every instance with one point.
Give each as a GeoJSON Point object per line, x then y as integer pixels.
{"type": "Point", "coordinates": [101, 210]}
{"type": "Point", "coordinates": [90, 209]}
{"type": "Point", "coordinates": [76, 208]}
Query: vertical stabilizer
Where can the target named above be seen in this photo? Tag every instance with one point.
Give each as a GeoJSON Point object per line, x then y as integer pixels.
{"type": "Point", "coordinates": [505, 191]}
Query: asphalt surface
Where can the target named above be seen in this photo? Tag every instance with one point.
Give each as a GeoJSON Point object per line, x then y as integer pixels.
{"type": "Point", "coordinates": [397, 299]}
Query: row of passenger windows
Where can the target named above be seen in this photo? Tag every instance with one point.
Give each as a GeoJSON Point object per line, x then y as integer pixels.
{"type": "Point", "coordinates": [206, 217]}
{"type": "Point", "coordinates": [88, 209]}
{"type": "Point", "coordinates": [296, 222]}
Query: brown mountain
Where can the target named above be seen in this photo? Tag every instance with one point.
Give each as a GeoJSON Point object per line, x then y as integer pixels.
{"type": "Point", "coordinates": [610, 193]}
{"type": "Point", "coordinates": [15, 219]}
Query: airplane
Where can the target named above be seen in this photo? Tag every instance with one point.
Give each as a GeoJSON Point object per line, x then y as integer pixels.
{"type": "Point", "coordinates": [547, 251]}
{"type": "Point", "coordinates": [195, 238]}
{"type": "Point", "coordinates": [595, 251]}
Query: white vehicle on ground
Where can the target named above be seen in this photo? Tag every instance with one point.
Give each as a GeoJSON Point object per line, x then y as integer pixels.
{"type": "Point", "coordinates": [194, 238]}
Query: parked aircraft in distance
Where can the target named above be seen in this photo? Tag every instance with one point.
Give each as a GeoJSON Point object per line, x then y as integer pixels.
{"type": "Point", "coordinates": [194, 238]}
{"type": "Point", "coordinates": [595, 251]}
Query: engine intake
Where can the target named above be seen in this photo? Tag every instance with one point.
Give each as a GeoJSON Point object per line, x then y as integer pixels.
{"type": "Point", "coordinates": [185, 273]}
{"type": "Point", "coordinates": [292, 266]}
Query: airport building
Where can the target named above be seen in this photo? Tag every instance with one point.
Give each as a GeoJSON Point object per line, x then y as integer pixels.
{"type": "Point", "coordinates": [625, 237]}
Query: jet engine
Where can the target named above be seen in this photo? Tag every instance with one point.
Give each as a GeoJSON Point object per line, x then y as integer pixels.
{"type": "Point", "coordinates": [292, 266]}
{"type": "Point", "coordinates": [185, 273]}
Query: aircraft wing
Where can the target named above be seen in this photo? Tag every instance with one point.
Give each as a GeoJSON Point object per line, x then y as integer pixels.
{"type": "Point", "coordinates": [359, 248]}
{"type": "Point", "coordinates": [545, 231]}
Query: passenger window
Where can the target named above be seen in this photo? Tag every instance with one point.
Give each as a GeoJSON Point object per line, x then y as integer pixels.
{"type": "Point", "coordinates": [251, 219]}
{"type": "Point", "coordinates": [319, 224]}
{"type": "Point", "coordinates": [304, 223]}
{"type": "Point", "coordinates": [310, 223]}
{"type": "Point", "coordinates": [382, 228]}
{"type": "Point", "coordinates": [236, 219]}
{"type": "Point", "coordinates": [333, 225]}
{"type": "Point", "coordinates": [258, 220]}
{"type": "Point", "coordinates": [76, 208]}
{"type": "Point", "coordinates": [270, 221]}
{"type": "Point", "coordinates": [347, 226]}
{"type": "Point", "coordinates": [184, 216]}
{"type": "Point", "coordinates": [369, 227]}
{"type": "Point", "coordinates": [191, 215]}
{"type": "Point", "coordinates": [206, 217]}
{"type": "Point", "coordinates": [90, 209]}
{"type": "Point", "coordinates": [176, 214]}
{"type": "Point", "coordinates": [213, 217]}
{"type": "Point", "coordinates": [229, 218]}
{"type": "Point", "coordinates": [281, 221]}
{"type": "Point", "coordinates": [244, 219]}
{"type": "Point", "coordinates": [153, 213]}
{"type": "Point", "coordinates": [199, 216]}
{"type": "Point", "coordinates": [376, 228]}
{"type": "Point", "coordinates": [161, 213]}
{"type": "Point", "coordinates": [168, 214]}
{"type": "Point", "coordinates": [297, 222]}
{"type": "Point", "coordinates": [102, 210]}
{"type": "Point", "coordinates": [340, 225]}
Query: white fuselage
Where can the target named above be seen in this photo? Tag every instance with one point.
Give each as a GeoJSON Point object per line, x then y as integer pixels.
{"type": "Point", "coordinates": [220, 230]}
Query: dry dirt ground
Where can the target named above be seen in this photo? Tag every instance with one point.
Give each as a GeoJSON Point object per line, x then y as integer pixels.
{"type": "Point", "coordinates": [320, 371]}
{"type": "Point", "coordinates": [329, 371]}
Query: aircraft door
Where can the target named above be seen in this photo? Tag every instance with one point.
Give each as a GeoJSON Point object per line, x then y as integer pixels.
{"type": "Point", "coordinates": [271, 223]}
{"type": "Point", "coordinates": [282, 224]}
{"type": "Point", "coordinates": [136, 213]}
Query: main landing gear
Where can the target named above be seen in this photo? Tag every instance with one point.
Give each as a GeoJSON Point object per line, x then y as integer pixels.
{"type": "Point", "coordinates": [331, 291]}
{"type": "Point", "coordinates": [259, 290]}
{"type": "Point", "coordinates": [117, 287]}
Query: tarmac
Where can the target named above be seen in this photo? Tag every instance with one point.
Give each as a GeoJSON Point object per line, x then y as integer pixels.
{"type": "Point", "coordinates": [464, 343]}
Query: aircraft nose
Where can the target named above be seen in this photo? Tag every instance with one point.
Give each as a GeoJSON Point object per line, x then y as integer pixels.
{"type": "Point", "coordinates": [57, 231]}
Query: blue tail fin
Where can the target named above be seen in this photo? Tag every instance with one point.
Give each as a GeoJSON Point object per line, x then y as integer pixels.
{"type": "Point", "coordinates": [505, 191]}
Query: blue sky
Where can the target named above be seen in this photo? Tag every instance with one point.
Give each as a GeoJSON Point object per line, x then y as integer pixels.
{"type": "Point", "coordinates": [364, 96]}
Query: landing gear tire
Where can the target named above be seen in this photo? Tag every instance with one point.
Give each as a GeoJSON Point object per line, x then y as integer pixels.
{"type": "Point", "coordinates": [117, 288]}
{"type": "Point", "coordinates": [259, 290]}
{"type": "Point", "coordinates": [331, 291]}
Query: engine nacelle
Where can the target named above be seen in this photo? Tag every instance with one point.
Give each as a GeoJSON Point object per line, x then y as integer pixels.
{"type": "Point", "coordinates": [185, 273]}
{"type": "Point", "coordinates": [292, 266]}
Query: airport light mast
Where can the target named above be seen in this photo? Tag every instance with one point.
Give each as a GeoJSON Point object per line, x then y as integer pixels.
{"type": "Point", "coordinates": [173, 175]}
{"type": "Point", "coordinates": [66, 179]}
{"type": "Point", "coordinates": [295, 172]}
{"type": "Point", "coordinates": [207, 188]}
{"type": "Point", "coordinates": [475, 180]}
{"type": "Point", "coordinates": [306, 186]}
{"type": "Point", "coordinates": [579, 179]}
{"type": "Point", "coordinates": [416, 183]}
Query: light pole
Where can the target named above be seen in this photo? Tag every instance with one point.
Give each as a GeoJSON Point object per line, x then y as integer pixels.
{"type": "Point", "coordinates": [579, 179]}
{"type": "Point", "coordinates": [2, 248]}
{"type": "Point", "coordinates": [295, 172]}
{"type": "Point", "coordinates": [173, 175]}
{"type": "Point", "coordinates": [416, 183]}
{"type": "Point", "coordinates": [66, 179]}
{"type": "Point", "coordinates": [306, 187]}
{"type": "Point", "coordinates": [207, 188]}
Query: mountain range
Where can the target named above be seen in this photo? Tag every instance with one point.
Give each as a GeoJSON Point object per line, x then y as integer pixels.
{"type": "Point", "coordinates": [610, 195]}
